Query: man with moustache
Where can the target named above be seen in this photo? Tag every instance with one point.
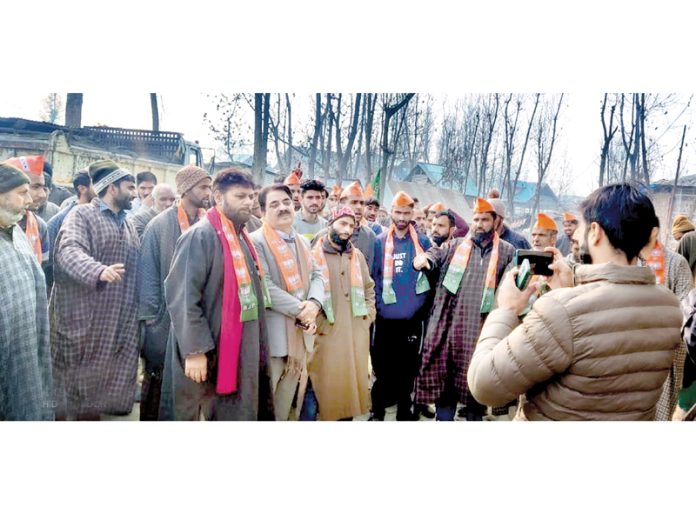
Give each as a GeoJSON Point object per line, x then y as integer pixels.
{"type": "Point", "coordinates": [26, 392]}
{"type": "Point", "coordinates": [334, 196]}
{"type": "Point", "coordinates": [308, 220]}
{"type": "Point", "coordinates": [94, 303]}
{"type": "Point", "coordinates": [217, 352]}
{"type": "Point", "coordinates": [338, 370]}
{"type": "Point", "coordinates": [158, 243]}
{"type": "Point", "coordinates": [600, 345]}
{"type": "Point", "coordinates": [296, 289]}
{"type": "Point", "coordinates": [371, 210]}
{"type": "Point", "coordinates": [401, 300]}
{"type": "Point", "coordinates": [506, 233]}
{"type": "Point", "coordinates": [442, 228]}
{"type": "Point", "coordinates": [467, 272]}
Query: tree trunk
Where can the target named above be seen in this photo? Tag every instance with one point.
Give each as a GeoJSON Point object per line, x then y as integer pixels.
{"type": "Point", "coordinates": [73, 110]}
{"type": "Point", "coordinates": [259, 157]}
{"type": "Point", "coordinates": [315, 137]}
{"type": "Point", "coordinates": [288, 132]}
{"type": "Point", "coordinates": [644, 151]}
{"type": "Point", "coordinates": [343, 166]}
{"type": "Point", "coordinates": [389, 111]}
{"type": "Point", "coordinates": [676, 183]}
{"type": "Point", "coordinates": [155, 112]}
{"type": "Point", "coordinates": [369, 124]}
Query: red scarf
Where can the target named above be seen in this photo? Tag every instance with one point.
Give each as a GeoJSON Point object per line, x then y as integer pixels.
{"type": "Point", "coordinates": [231, 324]}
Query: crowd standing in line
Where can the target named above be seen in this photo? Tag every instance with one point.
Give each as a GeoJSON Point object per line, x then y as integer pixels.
{"type": "Point", "coordinates": [220, 299]}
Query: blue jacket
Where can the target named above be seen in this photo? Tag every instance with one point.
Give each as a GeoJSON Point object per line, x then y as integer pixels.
{"type": "Point", "coordinates": [408, 303]}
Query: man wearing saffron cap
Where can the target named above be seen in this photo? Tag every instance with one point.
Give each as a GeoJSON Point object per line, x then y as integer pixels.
{"type": "Point", "coordinates": [193, 185]}
{"type": "Point", "coordinates": [467, 272]}
{"type": "Point", "coordinates": [570, 224]}
{"type": "Point", "coordinates": [25, 376]}
{"type": "Point", "coordinates": [94, 303]}
{"type": "Point", "coordinates": [401, 297]}
{"type": "Point", "coordinates": [338, 370]}
{"type": "Point", "coordinates": [34, 227]}
{"type": "Point", "coordinates": [217, 352]}
{"type": "Point", "coordinates": [363, 236]}
{"type": "Point", "coordinates": [293, 182]}
{"type": "Point", "coordinates": [334, 196]}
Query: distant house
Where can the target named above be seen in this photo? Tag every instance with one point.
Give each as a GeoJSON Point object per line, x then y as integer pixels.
{"type": "Point", "coordinates": [244, 161]}
{"type": "Point", "coordinates": [428, 194]}
{"type": "Point", "coordinates": [684, 201]}
{"type": "Point", "coordinates": [427, 173]}
{"type": "Point", "coordinates": [524, 198]}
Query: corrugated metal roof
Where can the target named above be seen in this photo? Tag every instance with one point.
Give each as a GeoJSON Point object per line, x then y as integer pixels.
{"type": "Point", "coordinates": [434, 173]}
{"type": "Point", "coordinates": [427, 194]}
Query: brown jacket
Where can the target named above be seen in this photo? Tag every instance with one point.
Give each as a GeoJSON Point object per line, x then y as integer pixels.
{"type": "Point", "coordinates": [598, 351]}
{"type": "Point", "coordinates": [338, 368]}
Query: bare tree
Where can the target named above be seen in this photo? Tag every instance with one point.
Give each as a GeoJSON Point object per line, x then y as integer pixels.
{"type": "Point", "coordinates": [545, 139]}
{"type": "Point", "coordinates": [261, 124]}
{"type": "Point", "coordinates": [225, 124]}
{"type": "Point", "coordinates": [389, 110]}
{"type": "Point", "coordinates": [489, 116]}
{"type": "Point", "coordinates": [345, 158]}
{"type": "Point", "coordinates": [317, 133]}
{"type": "Point", "coordinates": [608, 133]}
{"type": "Point", "coordinates": [676, 181]}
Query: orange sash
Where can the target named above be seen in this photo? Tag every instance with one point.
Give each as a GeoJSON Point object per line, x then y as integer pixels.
{"type": "Point", "coordinates": [656, 261]}
{"type": "Point", "coordinates": [285, 260]}
{"type": "Point", "coordinates": [388, 294]}
{"type": "Point", "coordinates": [32, 233]}
{"type": "Point", "coordinates": [181, 215]}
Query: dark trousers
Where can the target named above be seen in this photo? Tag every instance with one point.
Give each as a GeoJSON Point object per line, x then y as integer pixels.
{"type": "Point", "coordinates": [150, 395]}
{"type": "Point", "coordinates": [396, 359]}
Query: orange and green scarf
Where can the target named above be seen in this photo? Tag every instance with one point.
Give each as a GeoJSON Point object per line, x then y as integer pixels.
{"type": "Point", "coordinates": [388, 293]}
{"type": "Point", "coordinates": [285, 260]}
{"type": "Point", "coordinates": [457, 267]}
{"type": "Point", "coordinates": [357, 287]}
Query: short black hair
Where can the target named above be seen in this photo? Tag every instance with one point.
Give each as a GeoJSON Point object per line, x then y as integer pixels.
{"type": "Point", "coordinates": [47, 168]}
{"type": "Point", "coordinates": [81, 178]}
{"type": "Point", "coordinates": [312, 185]}
{"type": "Point", "coordinates": [625, 213]}
{"type": "Point", "coordinates": [127, 178]}
{"type": "Point", "coordinates": [268, 189]}
{"type": "Point", "coordinates": [229, 177]}
{"type": "Point", "coordinates": [452, 222]}
{"type": "Point", "coordinates": [372, 201]}
{"type": "Point", "coordinates": [415, 200]}
{"type": "Point", "coordinates": [146, 176]}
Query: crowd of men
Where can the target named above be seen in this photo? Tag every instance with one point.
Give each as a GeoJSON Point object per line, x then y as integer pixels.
{"type": "Point", "coordinates": [219, 299]}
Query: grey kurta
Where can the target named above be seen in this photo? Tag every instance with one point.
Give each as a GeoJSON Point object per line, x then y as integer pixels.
{"type": "Point", "coordinates": [25, 352]}
{"type": "Point", "coordinates": [193, 293]}
{"type": "Point", "coordinates": [142, 218]}
{"type": "Point", "coordinates": [94, 325]}
{"type": "Point", "coordinates": [156, 252]}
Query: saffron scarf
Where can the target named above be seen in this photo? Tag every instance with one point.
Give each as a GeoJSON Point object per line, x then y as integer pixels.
{"type": "Point", "coordinates": [285, 260]}
{"type": "Point", "coordinates": [236, 308]}
{"type": "Point", "coordinates": [457, 267]}
{"type": "Point", "coordinates": [656, 262]}
{"type": "Point", "coordinates": [357, 288]}
{"type": "Point", "coordinates": [388, 293]}
{"type": "Point", "coordinates": [32, 233]}
{"type": "Point", "coordinates": [181, 215]}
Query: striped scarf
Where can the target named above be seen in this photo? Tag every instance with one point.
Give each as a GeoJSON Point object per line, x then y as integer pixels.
{"type": "Point", "coordinates": [32, 233]}
{"type": "Point", "coordinates": [388, 293]}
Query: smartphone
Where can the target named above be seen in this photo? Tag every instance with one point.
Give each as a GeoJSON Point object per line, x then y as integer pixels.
{"type": "Point", "coordinates": [524, 275]}
{"type": "Point", "coordinates": [538, 261]}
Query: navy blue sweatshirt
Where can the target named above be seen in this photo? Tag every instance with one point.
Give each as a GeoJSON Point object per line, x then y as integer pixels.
{"type": "Point", "coordinates": [405, 277]}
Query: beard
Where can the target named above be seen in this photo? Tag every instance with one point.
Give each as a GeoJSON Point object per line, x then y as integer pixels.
{"type": "Point", "coordinates": [482, 238]}
{"type": "Point", "coordinates": [438, 239]}
{"type": "Point", "coordinates": [200, 203]}
{"type": "Point", "coordinates": [401, 225]}
{"type": "Point", "coordinates": [585, 257]}
{"type": "Point", "coordinates": [124, 202]}
{"type": "Point", "coordinates": [10, 217]}
{"type": "Point", "coordinates": [338, 240]}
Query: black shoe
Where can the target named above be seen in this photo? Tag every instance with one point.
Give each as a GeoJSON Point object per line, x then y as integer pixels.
{"type": "Point", "coordinates": [407, 416]}
{"type": "Point", "coordinates": [425, 410]}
